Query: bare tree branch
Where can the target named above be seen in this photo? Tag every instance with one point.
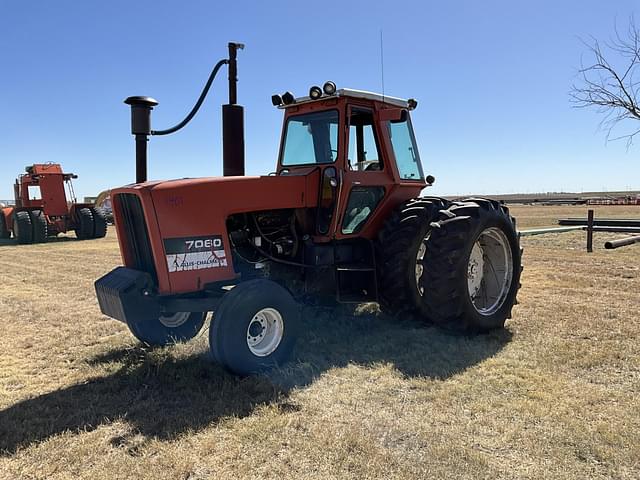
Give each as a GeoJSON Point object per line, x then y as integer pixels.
{"type": "Point", "coordinates": [608, 87]}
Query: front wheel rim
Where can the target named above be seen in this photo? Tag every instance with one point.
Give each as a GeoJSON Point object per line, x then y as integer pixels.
{"type": "Point", "coordinates": [490, 271]}
{"type": "Point", "coordinates": [175, 320]}
{"type": "Point", "coordinates": [265, 332]}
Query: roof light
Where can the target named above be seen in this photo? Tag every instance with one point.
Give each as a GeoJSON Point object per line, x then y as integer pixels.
{"type": "Point", "coordinates": [315, 92]}
{"type": "Point", "coordinates": [329, 87]}
{"type": "Point", "coordinates": [288, 98]}
{"type": "Point", "coordinates": [412, 103]}
{"type": "Point", "coordinates": [276, 100]}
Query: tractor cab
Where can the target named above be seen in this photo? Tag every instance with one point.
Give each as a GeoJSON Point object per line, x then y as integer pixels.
{"type": "Point", "coordinates": [363, 146]}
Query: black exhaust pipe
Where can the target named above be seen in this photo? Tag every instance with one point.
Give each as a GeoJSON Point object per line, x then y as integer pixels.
{"type": "Point", "coordinates": [233, 122]}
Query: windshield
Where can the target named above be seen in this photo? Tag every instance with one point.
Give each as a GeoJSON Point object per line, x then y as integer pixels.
{"type": "Point", "coordinates": [311, 138]}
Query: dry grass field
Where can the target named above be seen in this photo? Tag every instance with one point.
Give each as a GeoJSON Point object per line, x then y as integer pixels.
{"type": "Point", "coordinates": [554, 395]}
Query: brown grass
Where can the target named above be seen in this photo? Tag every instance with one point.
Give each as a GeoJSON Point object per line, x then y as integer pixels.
{"type": "Point", "coordinates": [554, 395]}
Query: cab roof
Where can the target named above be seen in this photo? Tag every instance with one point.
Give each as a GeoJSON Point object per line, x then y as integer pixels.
{"type": "Point", "coordinates": [360, 94]}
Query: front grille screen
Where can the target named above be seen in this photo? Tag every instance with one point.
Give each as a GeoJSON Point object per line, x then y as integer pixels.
{"type": "Point", "coordinates": [136, 234]}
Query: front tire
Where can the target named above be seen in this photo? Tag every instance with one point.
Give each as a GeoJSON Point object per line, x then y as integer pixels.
{"type": "Point", "coordinates": [254, 327]}
{"type": "Point", "coordinates": [167, 329]}
{"type": "Point", "coordinates": [472, 266]}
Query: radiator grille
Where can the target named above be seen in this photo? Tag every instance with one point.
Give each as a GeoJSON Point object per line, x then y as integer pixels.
{"type": "Point", "coordinates": [136, 234]}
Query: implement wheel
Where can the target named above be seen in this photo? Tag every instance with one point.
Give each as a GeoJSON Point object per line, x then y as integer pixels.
{"type": "Point", "coordinates": [400, 250]}
{"type": "Point", "coordinates": [39, 223]}
{"type": "Point", "coordinates": [254, 327]}
{"type": "Point", "coordinates": [472, 266]}
{"type": "Point", "coordinates": [22, 228]}
{"type": "Point", "coordinates": [167, 328]}
{"type": "Point", "coordinates": [4, 231]}
{"type": "Point", "coordinates": [99, 222]}
{"type": "Point", "coordinates": [84, 228]}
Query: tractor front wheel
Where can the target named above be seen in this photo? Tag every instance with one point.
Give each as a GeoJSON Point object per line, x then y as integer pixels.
{"type": "Point", "coordinates": [472, 266]}
{"type": "Point", "coordinates": [167, 328]}
{"type": "Point", "coordinates": [254, 327]}
{"type": "Point", "coordinates": [22, 228]}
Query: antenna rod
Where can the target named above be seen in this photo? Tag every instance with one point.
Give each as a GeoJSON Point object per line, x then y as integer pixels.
{"type": "Point", "coordinates": [382, 62]}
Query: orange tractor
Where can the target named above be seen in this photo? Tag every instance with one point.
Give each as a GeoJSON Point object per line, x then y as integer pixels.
{"type": "Point", "coordinates": [341, 216]}
{"type": "Point", "coordinates": [41, 209]}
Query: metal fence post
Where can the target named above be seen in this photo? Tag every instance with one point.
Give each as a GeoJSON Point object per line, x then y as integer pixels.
{"type": "Point", "coordinates": [590, 231]}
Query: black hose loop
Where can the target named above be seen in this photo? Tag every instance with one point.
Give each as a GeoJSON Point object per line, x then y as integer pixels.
{"type": "Point", "coordinates": [198, 104]}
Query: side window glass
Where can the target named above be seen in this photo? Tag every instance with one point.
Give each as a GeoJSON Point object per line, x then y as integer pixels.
{"type": "Point", "coordinates": [363, 153]}
{"type": "Point", "coordinates": [405, 150]}
{"type": "Point", "coordinates": [362, 202]}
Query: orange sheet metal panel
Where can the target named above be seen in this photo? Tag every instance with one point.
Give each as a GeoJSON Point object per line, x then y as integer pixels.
{"type": "Point", "coordinates": [188, 233]}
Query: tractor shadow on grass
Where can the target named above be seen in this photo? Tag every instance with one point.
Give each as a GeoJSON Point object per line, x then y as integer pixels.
{"type": "Point", "coordinates": [161, 396]}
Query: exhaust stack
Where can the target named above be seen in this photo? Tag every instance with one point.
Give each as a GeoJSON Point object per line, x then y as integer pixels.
{"type": "Point", "coordinates": [233, 122]}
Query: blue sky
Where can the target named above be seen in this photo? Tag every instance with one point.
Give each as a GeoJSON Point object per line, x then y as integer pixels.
{"type": "Point", "coordinates": [492, 79]}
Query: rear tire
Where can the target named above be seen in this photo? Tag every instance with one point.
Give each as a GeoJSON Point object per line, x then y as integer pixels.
{"type": "Point", "coordinates": [472, 266]}
{"type": "Point", "coordinates": [39, 223]}
{"type": "Point", "coordinates": [22, 228]}
{"type": "Point", "coordinates": [4, 231]}
{"type": "Point", "coordinates": [255, 327]}
{"type": "Point", "coordinates": [99, 222]}
{"type": "Point", "coordinates": [400, 250]}
{"type": "Point", "coordinates": [167, 329]}
{"type": "Point", "coordinates": [85, 224]}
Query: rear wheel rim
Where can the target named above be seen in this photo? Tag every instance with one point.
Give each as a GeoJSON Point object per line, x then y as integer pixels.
{"type": "Point", "coordinates": [490, 271]}
{"type": "Point", "coordinates": [175, 320]}
{"type": "Point", "coordinates": [265, 332]}
{"type": "Point", "coordinates": [419, 270]}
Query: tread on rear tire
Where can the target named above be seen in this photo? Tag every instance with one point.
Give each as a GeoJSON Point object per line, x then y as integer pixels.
{"type": "Point", "coordinates": [474, 243]}
{"type": "Point", "coordinates": [397, 250]}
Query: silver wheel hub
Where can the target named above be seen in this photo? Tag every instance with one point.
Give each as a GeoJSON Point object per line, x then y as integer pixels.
{"type": "Point", "coordinates": [174, 320]}
{"type": "Point", "coordinates": [265, 332]}
{"type": "Point", "coordinates": [490, 271]}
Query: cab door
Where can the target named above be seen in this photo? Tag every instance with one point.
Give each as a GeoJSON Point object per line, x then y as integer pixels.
{"type": "Point", "coordinates": [366, 176]}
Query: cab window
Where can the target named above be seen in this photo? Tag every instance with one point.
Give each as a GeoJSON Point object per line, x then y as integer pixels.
{"type": "Point", "coordinates": [363, 154]}
{"type": "Point", "coordinates": [311, 138]}
{"type": "Point", "coordinates": [405, 149]}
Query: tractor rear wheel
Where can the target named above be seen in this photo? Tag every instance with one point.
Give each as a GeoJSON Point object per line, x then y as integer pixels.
{"type": "Point", "coordinates": [167, 328]}
{"type": "Point", "coordinates": [84, 227]}
{"type": "Point", "coordinates": [99, 222]}
{"type": "Point", "coordinates": [472, 266]}
{"type": "Point", "coordinates": [4, 231]}
{"type": "Point", "coordinates": [22, 228]}
{"type": "Point", "coordinates": [254, 327]}
{"type": "Point", "coordinates": [400, 251]}
{"type": "Point", "coordinates": [39, 223]}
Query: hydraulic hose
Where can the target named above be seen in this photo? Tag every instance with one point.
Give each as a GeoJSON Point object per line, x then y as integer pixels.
{"type": "Point", "coordinates": [198, 104]}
